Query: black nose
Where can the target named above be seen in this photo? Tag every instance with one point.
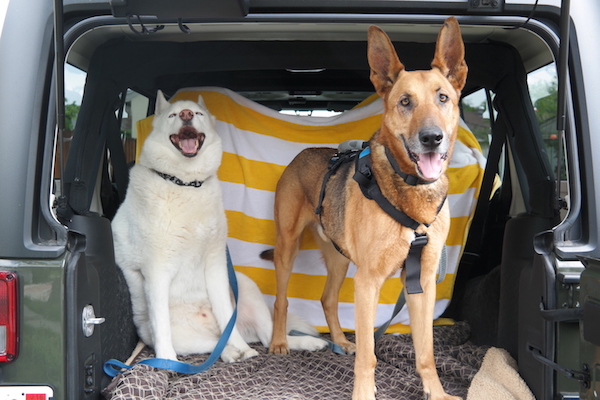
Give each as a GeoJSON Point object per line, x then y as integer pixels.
{"type": "Point", "coordinates": [431, 137]}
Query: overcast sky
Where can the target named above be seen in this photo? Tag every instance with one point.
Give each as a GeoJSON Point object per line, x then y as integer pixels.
{"type": "Point", "coordinates": [74, 83]}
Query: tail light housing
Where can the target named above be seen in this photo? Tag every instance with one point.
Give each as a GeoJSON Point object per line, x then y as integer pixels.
{"type": "Point", "coordinates": [9, 316]}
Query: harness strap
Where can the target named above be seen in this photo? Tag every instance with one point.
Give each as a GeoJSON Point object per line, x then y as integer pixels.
{"type": "Point", "coordinates": [399, 304]}
{"type": "Point", "coordinates": [113, 367]}
{"type": "Point", "coordinates": [412, 265]}
{"type": "Point", "coordinates": [370, 188]}
{"type": "Point", "coordinates": [336, 161]}
{"type": "Point", "coordinates": [368, 185]}
{"type": "Point", "coordinates": [412, 180]}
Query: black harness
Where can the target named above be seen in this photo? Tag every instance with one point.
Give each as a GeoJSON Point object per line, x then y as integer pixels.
{"type": "Point", "coordinates": [366, 180]}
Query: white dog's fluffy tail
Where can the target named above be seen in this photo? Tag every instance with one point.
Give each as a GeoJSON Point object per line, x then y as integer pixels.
{"type": "Point", "coordinates": [310, 341]}
{"type": "Point", "coordinates": [255, 321]}
{"type": "Point", "coordinates": [297, 323]}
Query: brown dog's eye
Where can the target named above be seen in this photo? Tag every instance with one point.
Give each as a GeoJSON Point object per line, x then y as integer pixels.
{"type": "Point", "coordinates": [405, 101]}
{"type": "Point", "coordinates": [443, 98]}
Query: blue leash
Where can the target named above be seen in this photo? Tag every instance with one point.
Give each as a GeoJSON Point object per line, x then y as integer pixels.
{"type": "Point", "coordinates": [113, 367]}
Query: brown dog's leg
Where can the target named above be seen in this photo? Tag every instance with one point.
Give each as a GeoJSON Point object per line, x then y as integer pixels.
{"type": "Point", "coordinates": [366, 296]}
{"type": "Point", "coordinates": [291, 216]}
{"type": "Point", "coordinates": [337, 267]}
{"type": "Point", "coordinates": [282, 272]}
{"type": "Point", "coordinates": [420, 308]}
{"type": "Point", "coordinates": [286, 249]}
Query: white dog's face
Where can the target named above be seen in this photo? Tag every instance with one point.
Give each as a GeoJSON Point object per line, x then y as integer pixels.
{"type": "Point", "coordinates": [183, 139]}
{"type": "Point", "coordinates": [186, 122]}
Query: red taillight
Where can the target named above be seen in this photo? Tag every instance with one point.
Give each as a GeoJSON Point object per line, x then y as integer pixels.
{"type": "Point", "coordinates": [9, 317]}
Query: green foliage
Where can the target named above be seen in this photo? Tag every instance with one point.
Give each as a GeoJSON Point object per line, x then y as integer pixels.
{"type": "Point", "coordinates": [546, 107]}
{"type": "Point", "coordinates": [71, 112]}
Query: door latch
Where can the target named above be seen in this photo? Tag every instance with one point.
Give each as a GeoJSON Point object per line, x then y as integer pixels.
{"type": "Point", "coordinates": [89, 320]}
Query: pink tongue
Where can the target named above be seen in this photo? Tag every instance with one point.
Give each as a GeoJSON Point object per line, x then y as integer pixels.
{"type": "Point", "coordinates": [188, 145]}
{"type": "Point", "coordinates": [430, 165]}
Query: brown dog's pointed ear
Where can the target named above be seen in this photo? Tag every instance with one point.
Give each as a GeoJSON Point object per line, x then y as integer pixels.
{"type": "Point", "coordinates": [383, 60]}
{"type": "Point", "coordinates": [450, 54]}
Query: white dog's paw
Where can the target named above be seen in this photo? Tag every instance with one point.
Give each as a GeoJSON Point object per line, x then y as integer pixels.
{"type": "Point", "coordinates": [167, 354]}
{"type": "Point", "coordinates": [232, 354]}
{"type": "Point", "coordinates": [309, 343]}
{"type": "Point", "coordinates": [249, 353]}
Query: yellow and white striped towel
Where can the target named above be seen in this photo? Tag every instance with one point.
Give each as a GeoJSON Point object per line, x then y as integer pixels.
{"type": "Point", "coordinates": [258, 143]}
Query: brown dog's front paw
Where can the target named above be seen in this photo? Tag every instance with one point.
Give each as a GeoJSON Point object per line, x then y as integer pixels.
{"type": "Point", "coordinates": [442, 396]}
{"type": "Point", "coordinates": [279, 348]}
{"type": "Point", "coordinates": [348, 347]}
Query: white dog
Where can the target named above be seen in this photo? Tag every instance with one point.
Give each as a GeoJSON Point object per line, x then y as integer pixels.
{"type": "Point", "coordinates": [170, 241]}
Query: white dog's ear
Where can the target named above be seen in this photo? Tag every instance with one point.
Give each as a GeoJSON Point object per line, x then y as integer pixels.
{"type": "Point", "coordinates": [201, 102]}
{"type": "Point", "coordinates": [161, 102]}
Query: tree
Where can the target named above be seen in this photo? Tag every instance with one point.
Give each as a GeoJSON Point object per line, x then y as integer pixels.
{"type": "Point", "coordinates": [71, 112]}
{"type": "Point", "coordinates": [545, 107]}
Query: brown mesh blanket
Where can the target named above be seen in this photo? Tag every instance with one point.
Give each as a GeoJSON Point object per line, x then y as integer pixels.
{"type": "Point", "coordinates": [306, 375]}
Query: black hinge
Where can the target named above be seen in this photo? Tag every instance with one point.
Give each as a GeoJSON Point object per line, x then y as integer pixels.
{"type": "Point", "coordinates": [582, 377]}
{"type": "Point", "coordinates": [561, 314]}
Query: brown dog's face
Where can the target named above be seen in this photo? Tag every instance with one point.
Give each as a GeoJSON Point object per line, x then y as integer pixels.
{"type": "Point", "coordinates": [421, 113]}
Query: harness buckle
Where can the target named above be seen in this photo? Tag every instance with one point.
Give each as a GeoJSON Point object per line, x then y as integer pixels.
{"type": "Point", "coordinates": [421, 239]}
{"type": "Point", "coordinates": [412, 264]}
{"type": "Point", "coordinates": [333, 161]}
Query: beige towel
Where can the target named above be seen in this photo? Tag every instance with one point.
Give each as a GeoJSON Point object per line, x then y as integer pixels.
{"type": "Point", "coordinates": [498, 379]}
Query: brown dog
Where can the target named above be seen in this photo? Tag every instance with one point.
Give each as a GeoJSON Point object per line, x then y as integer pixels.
{"type": "Point", "coordinates": [418, 130]}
